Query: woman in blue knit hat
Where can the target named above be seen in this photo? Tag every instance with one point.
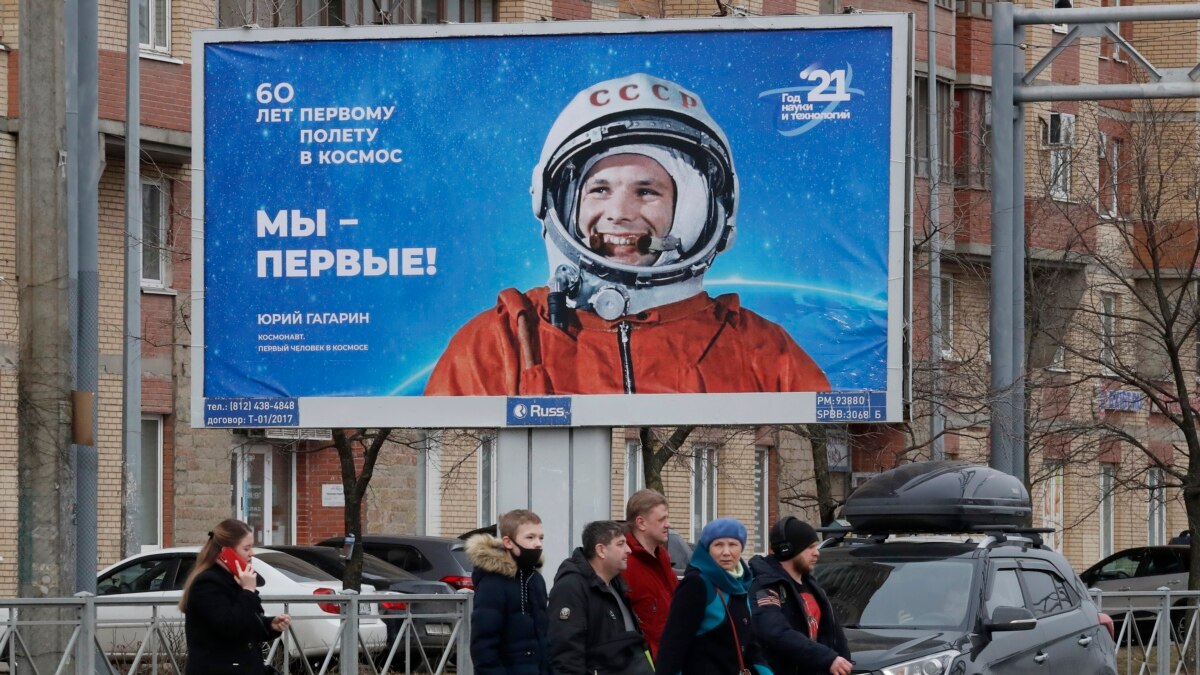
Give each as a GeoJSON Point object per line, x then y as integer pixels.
{"type": "Point", "coordinates": [709, 629]}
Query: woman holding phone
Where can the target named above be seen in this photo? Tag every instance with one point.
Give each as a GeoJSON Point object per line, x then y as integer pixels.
{"type": "Point", "coordinates": [223, 616]}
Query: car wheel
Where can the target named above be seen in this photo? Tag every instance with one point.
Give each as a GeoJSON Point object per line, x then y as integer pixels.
{"type": "Point", "coordinates": [1181, 621]}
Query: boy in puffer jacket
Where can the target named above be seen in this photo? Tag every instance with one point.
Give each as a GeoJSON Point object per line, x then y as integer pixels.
{"type": "Point", "coordinates": [508, 623]}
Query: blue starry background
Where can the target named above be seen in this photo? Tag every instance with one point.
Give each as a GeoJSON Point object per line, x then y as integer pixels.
{"type": "Point", "coordinates": [470, 118]}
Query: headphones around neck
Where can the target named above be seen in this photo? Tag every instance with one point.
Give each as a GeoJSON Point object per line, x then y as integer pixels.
{"type": "Point", "coordinates": [779, 542]}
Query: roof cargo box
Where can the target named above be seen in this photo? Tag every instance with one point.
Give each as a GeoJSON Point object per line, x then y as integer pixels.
{"type": "Point", "coordinates": [938, 497]}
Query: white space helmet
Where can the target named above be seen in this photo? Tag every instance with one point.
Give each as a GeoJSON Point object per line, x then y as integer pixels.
{"type": "Point", "coordinates": [636, 114]}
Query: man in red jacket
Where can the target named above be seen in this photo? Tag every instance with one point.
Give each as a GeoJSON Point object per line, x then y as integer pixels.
{"type": "Point", "coordinates": [649, 575]}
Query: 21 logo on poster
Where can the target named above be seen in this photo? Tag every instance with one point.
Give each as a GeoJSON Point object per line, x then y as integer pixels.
{"type": "Point", "coordinates": [815, 100]}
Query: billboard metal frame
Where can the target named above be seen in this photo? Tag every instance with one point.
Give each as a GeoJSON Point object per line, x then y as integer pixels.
{"type": "Point", "coordinates": [591, 409]}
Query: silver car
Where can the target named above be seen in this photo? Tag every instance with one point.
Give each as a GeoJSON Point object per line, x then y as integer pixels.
{"type": "Point", "coordinates": [1145, 568]}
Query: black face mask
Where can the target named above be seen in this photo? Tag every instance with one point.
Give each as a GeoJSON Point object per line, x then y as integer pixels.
{"type": "Point", "coordinates": [527, 558]}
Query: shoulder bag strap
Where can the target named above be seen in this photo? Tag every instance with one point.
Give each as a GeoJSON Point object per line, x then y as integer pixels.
{"type": "Point", "coordinates": [736, 643]}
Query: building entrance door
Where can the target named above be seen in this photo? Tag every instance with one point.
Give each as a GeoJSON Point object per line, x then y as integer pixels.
{"type": "Point", "coordinates": [262, 493]}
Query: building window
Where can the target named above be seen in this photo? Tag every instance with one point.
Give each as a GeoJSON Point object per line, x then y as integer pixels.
{"type": "Point", "coordinates": [1108, 332]}
{"type": "Point", "coordinates": [947, 317]}
{"type": "Point", "coordinates": [1058, 135]}
{"type": "Point", "coordinates": [945, 127]}
{"type": "Point", "coordinates": [1106, 510]}
{"type": "Point", "coordinates": [154, 234]}
{"type": "Point", "coordinates": [635, 474]}
{"type": "Point", "coordinates": [704, 488]}
{"type": "Point", "coordinates": [981, 8]}
{"type": "Point", "coordinates": [1156, 515]}
{"type": "Point", "coordinates": [155, 25]}
{"type": "Point", "coordinates": [275, 13]}
{"type": "Point", "coordinates": [762, 496]}
{"type": "Point", "coordinates": [1052, 507]}
{"type": "Point", "coordinates": [1058, 362]}
{"type": "Point", "coordinates": [972, 134]}
{"type": "Point", "coordinates": [149, 487]}
{"type": "Point", "coordinates": [487, 480]}
{"type": "Point", "coordinates": [1110, 154]}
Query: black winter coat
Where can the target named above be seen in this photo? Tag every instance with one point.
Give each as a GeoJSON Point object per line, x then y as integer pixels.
{"type": "Point", "coordinates": [587, 630]}
{"type": "Point", "coordinates": [698, 638]}
{"type": "Point", "coordinates": [508, 623]}
{"type": "Point", "coordinates": [225, 626]}
{"type": "Point", "coordinates": [783, 629]}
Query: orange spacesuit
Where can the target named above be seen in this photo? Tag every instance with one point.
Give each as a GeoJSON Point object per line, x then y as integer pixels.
{"type": "Point", "coordinates": [699, 344]}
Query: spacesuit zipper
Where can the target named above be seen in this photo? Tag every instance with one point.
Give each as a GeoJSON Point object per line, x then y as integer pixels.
{"type": "Point", "coordinates": [623, 330]}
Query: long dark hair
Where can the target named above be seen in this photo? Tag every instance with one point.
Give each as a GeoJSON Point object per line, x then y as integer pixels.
{"type": "Point", "coordinates": [229, 532]}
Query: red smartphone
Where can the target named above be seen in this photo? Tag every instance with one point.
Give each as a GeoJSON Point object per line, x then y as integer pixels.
{"type": "Point", "coordinates": [232, 561]}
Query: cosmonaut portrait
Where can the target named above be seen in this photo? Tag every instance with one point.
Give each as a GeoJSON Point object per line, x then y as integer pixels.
{"type": "Point", "coordinates": [637, 195]}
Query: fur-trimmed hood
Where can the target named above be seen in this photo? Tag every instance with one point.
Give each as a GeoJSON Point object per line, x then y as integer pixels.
{"type": "Point", "coordinates": [487, 554]}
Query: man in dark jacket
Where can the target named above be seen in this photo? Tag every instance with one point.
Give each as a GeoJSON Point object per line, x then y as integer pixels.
{"type": "Point", "coordinates": [508, 622]}
{"type": "Point", "coordinates": [792, 617]}
{"type": "Point", "coordinates": [592, 626]}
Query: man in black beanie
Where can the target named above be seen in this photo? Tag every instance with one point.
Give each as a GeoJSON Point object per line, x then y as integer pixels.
{"type": "Point", "coordinates": [793, 619]}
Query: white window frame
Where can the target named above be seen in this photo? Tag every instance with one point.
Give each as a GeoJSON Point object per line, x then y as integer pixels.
{"type": "Point", "coordinates": [1107, 481]}
{"type": "Point", "coordinates": [762, 497]}
{"type": "Point", "coordinates": [947, 316]}
{"type": "Point", "coordinates": [837, 449]}
{"type": "Point", "coordinates": [1108, 332]}
{"type": "Point", "coordinates": [704, 487]}
{"type": "Point", "coordinates": [1058, 362]}
{"type": "Point", "coordinates": [1052, 507]}
{"type": "Point", "coordinates": [162, 228]}
{"type": "Point", "coordinates": [1058, 134]}
{"type": "Point", "coordinates": [486, 514]}
{"type": "Point", "coordinates": [1113, 157]}
{"type": "Point", "coordinates": [158, 486]}
{"type": "Point", "coordinates": [149, 14]}
{"type": "Point", "coordinates": [635, 474]}
{"type": "Point", "coordinates": [241, 497]}
{"type": "Point", "coordinates": [1156, 508]}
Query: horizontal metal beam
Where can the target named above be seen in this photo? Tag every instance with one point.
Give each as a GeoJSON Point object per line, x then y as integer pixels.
{"type": "Point", "coordinates": [1105, 92]}
{"type": "Point", "coordinates": [1023, 16]}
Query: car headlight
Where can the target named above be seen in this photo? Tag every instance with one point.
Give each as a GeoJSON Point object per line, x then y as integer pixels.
{"type": "Point", "coordinates": [934, 664]}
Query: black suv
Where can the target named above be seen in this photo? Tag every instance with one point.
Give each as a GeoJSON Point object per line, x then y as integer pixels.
{"type": "Point", "coordinates": [994, 600]}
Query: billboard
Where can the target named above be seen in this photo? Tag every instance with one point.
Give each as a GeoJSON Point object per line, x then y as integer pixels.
{"type": "Point", "coordinates": [578, 223]}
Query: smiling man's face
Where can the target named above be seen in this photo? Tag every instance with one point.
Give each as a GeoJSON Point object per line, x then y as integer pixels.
{"type": "Point", "coordinates": [624, 199]}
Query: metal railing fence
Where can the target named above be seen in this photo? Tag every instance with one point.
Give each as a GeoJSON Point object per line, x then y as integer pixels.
{"type": "Point", "coordinates": [346, 634]}
{"type": "Point", "coordinates": [1157, 632]}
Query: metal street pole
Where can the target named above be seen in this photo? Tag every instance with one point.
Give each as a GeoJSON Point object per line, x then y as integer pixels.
{"type": "Point", "coordinates": [937, 419]}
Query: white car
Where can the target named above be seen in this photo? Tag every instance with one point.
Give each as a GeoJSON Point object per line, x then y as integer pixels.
{"type": "Point", "coordinates": [149, 586]}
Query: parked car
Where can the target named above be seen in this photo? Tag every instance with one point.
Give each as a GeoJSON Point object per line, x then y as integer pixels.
{"type": "Point", "coordinates": [971, 594]}
{"type": "Point", "coordinates": [432, 558]}
{"type": "Point", "coordinates": [160, 575]}
{"type": "Point", "coordinates": [1144, 568]}
{"type": "Point", "coordinates": [680, 552]}
{"type": "Point", "coordinates": [433, 621]}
